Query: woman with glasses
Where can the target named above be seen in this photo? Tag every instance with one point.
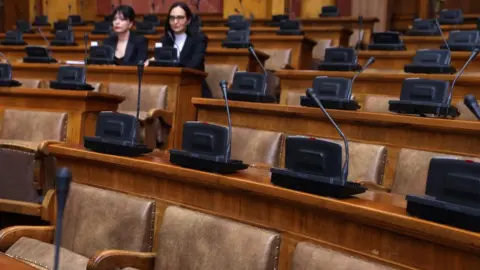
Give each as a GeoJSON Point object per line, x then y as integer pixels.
{"type": "Point", "coordinates": [129, 48]}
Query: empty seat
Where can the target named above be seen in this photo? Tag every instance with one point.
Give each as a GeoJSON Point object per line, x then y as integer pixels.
{"type": "Point", "coordinates": [217, 73]}
{"type": "Point", "coordinates": [279, 59]}
{"type": "Point", "coordinates": [411, 170]}
{"type": "Point", "coordinates": [377, 103]}
{"type": "Point", "coordinates": [465, 113]}
{"type": "Point", "coordinates": [31, 83]}
{"type": "Point", "coordinates": [313, 257]}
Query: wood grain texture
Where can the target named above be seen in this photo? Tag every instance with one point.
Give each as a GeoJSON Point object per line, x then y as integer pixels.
{"type": "Point", "coordinates": [10, 263]}
{"type": "Point", "coordinates": [104, 7]}
{"type": "Point", "coordinates": [311, 8]}
{"type": "Point", "coordinates": [374, 225]}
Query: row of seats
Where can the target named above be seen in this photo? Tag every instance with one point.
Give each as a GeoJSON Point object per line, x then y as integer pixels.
{"type": "Point", "coordinates": [97, 220]}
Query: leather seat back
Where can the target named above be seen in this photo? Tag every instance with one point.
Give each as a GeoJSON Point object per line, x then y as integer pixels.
{"type": "Point", "coordinates": [98, 219]}
{"type": "Point", "coordinates": [377, 103]}
{"type": "Point", "coordinates": [278, 59]}
{"type": "Point", "coordinates": [217, 73]}
{"type": "Point", "coordinates": [194, 240]}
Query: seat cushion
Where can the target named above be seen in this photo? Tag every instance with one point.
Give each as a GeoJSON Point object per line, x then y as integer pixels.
{"type": "Point", "coordinates": [42, 254]}
{"type": "Point", "coordinates": [194, 240]}
{"type": "Point", "coordinates": [311, 257]}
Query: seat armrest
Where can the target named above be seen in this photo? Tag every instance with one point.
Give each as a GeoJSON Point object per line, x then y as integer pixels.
{"type": "Point", "coordinates": [47, 211]}
{"type": "Point", "coordinates": [43, 146]}
{"type": "Point", "coordinates": [119, 259]}
{"type": "Point", "coordinates": [10, 235]}
{"type": "Point", "coordinates": [165, 117]}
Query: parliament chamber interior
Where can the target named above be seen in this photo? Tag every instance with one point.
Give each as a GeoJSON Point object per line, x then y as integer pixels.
{"type": "Point", "coordinates": [230, 134]}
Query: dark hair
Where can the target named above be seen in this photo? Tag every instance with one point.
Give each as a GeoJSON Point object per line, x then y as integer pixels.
{"type": "Point", "coordinates": [188, 14]}
{"type": "Point", "coordinates": [127, 11]}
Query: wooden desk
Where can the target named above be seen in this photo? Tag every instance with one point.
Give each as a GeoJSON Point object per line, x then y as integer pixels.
{"type": "Point", "coordinates": [240, 57]}
{"type": "Point", "coordinates": [82, 107]}
{"type": "Point", "coordinates": [398, 59]}
{"type": "Point", "coordinates": [301, 47]}
{"type": "Point", "coordinates": [7, 262]}
{"type": "Point", "coordinates": [403, 22]}
{"type": "Point", "coordinates": [373, 224]}
{"type": "Point", "coordinates": [414, 43]}
{"type": "Point", "coordinates": [394, 131]}
{"type": "Point", "coordinates": [446, 29]}
{"type": "Point", "coordinates": [371, 82]}
{"type": "Point", "coordinates": [183, 84]}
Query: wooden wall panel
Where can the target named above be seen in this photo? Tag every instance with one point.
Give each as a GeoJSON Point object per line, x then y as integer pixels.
{"type": "Point", "coordinates": [104, 7]}
{"type": "Point", "coordinates": [261, 9]}
{"type": "Point", "coordinates": [373, 8]}
{"type": "Point", "coordinates": [2, 17]}
{"type": "Point", "coordinates": [345, 7]}
{"type": "Point", "coordinates": [468, 6]}
{"type": "Point", "coordinates": [311, 8]}
{"type": "Point", "coordinates": [14, 10]}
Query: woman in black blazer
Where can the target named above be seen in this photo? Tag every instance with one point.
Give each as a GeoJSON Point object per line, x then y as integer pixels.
{"type": "Point", "coordinates": [129, 48]}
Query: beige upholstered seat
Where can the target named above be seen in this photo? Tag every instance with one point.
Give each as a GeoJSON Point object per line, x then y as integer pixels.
{"type": "Point", "coordinates": [193, 240]}
{"type": "Point", "coordinates": [152, 97]}
{"type": "Point", "coordinates": [217, 73]}
{"type": "Point", "coordinates": [278, 59]}
{"type": "Point", "coordinates": [377, 103]}
{"type": "Point", "coordinates": [254, 146]}
{"type": "Point", "coordinates": [465, 113]}
{"type": "Point", "coordinates": [411, 170]}
{"type": "Point", "coordinates": [95, 220]}
{"type": "Point", "coordinates": [25, 170]}
{"type": "Point", "coordinates": [354, 38]}
{"type": "Point", "coordinates": [318, 52]}
{"type": "Point", "coordinates": [313, 257]}
{"type": "Point", "coordinates": [31, 83]}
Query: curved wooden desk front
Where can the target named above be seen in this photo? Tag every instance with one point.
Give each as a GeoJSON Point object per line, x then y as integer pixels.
{"type": "Point", "coordinates": [9, 263]}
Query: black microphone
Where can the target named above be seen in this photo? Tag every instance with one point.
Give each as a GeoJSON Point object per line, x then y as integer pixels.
{"type": "Point", "coordinates": [251, 16]}
{"type": "Point", "coordinates": [443, 36]}
{"type": "Point", "coordinates": [140, 66]}
{"type": "Point", "coordinates": [370, 61]}
{"type": "Point", "coordinates": [62, 186]}
{"type": "Point", "coordinates": [44, 38]}
{"type": "Point", "coordinates": [69, 9]}
{"type": "Point", "coordinates": [471, 102]}
{"type": "Point", "coordinates": [311, 94]}
{"type": "Point", "coordinates": [223, 86]}
{"type": "Point", "coordinates": [360, 29]}
{"type": "Point", "coordinates": [252, 51]}
{"type": "Point", "coordinates": [470, 59]}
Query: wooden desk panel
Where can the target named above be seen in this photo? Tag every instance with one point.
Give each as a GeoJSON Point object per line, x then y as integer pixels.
{"type": "Point", "coordinates": [372, 82]}
{"type": "Point", "coordinates": [82, 107]}
{"type": "Point", "coordinates": [398, 59]}
{"type": "Point", "coordinates": [183, 84]}
{"type": "Point", "coordinates": [240, 57]}
{"type": "Point", "coordinates": [414, 43]}
{"type": "Point", "coordinates": [7, 262]}
{"type": "Point", "coordinates": [394, 131]}
{"type": "Point", "coordinates": [375, 225]}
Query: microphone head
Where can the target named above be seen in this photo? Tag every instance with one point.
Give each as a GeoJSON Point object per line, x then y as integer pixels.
{"type": "Point", "coordinates": [469, 99]}
{"type": "Point", "coordinates": [236, 10]}
{"type": "Point", "coordinates": [85, 37]}
{"type": "Point", "coordinates": [63, 179]}
{"type": "Point", "coordinates": [223, 84]}
{"type": "Point", "coordinates": [310, 93]}
{"type": "Point", "coordinates": [475, 52]}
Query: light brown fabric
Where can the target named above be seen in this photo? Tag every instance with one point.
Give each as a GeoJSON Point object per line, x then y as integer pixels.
{"type": "Point", "coordinates": [31, 145]}
{"type": "Point", "coordinates": [312, 257]}
{"type": "Point", "coordinates": [41, 255]}
{"type": "Point", "coordinates": [17, 175]}
{"type": "Point", "coordinates": [217, 73]}
{"type": "Point", "coordinates": [30, 83]}
{"type": "Point", "coordinates": [377, 103]}
{"type": "Point", "coordinates": [293, 98]}
{"type": "Point", "coordinates": [97, 219]}
{"type": "Point", "coordinates": [318, 52]}
{"type": "Point", "coordinates": [411, 170]}
{"type": "Point", "coordinates": [354, 38]}
{"type": "Point", "coordinates": [465, 113]}
{"type": "Point", "coordinates": [254, 146]}
{"type": "Point", "coordinates": [33, 126]}
{"type": "Point", "coordinates": [152, 96]}
{"type": "Point", "coordinates": [193, 240]}
{"type": "Point", "coordinates": [278, 59]}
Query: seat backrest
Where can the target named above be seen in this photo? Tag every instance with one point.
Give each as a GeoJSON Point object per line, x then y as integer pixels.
{"type": "Point", "coordinates": [465, 113]}
{"type": "Point", "coordinates": [194, 240]}
{"type": "Point", "coordinates": [153, 96]}
{"type": "Point", "coordinates": [34, 126]}
{"type": "Point", "coordinates": [313, 257]}
{"type": "Point", "coordinates": [411, 170]}
{"type": "Point", "coordinates": [278, 59]}
{"type": "Point", "coordinates": [357, 34]}
{"type": "Point", "coordinates": [98, 219]}
{"type": "Point", "coordinates": [319, 49]}
{"type": "Point", "coordinates": [217, 73]}
{"type": "Point", "coordinates": [254, 146]}
{"type": "Point", "coordinates": [31, 83]}
{"type": "Point", "coordinates": [377, 103]}
{"type": "Point", "coordinates": [293, 98]}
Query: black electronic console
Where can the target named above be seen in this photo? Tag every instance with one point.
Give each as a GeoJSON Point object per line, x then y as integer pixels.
{"type": "Point", "coordinates": [386, 41]}
{"type": "Point", "coordinates": [431, 62]}
{"type": "Point", "coordinates": [452, 16]}
{"type": "Point", "coordinates": [207, 147]}
{"type": "Point", "coordinates": [6, 74]}
{"type": "Point", "coordinates": [237, 39]}
{"type": "Point", "coordinates": [314, 166]}
{"type": "Point", "coordinates": [165, 57]}
{"type": "Point", "coordinates": [101, 55]}
{"type": "Point", "coordinates": [329, 11]}
{"type": "Point", "coordinates": [428, 97]}
{"type": "Point", "coordinates": [39, 54]}
{"type": "Point", "coordinates": [64, 38]}
{"type": "Point", "coordinates": [425, 27]}
{"type": "Point", "coordinates": [71, 78]}
{"type": "Point", "coordinates": [13, 38]}
{"type": "Point", "coordinates": [452, 194]}
{"type": "Point", "coordinates": [340, 59]}
{"type": "Point", "coordinates": [118, 133]}
{"type": "Point", "coordinates": [277, 19]}
{"type": "Point", "coordinates": [290, 28]}
{"type": "Point", "coordinates": [462, 40]}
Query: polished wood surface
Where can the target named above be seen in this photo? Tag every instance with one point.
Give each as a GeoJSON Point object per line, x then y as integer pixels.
{"type": "Point", "coordinates": [372, 224]}
{"type": "Point", "coordinates": [420, 42]}
{"type": "Point", "coordinates": [7, 262]}
{"type": "Point", "coordinates": [398, 59]}
{"type": "Point", "coordinates": [82, 107]}
{"type": "Point", "coordinates": [183, 84]}
{"type": "Point", "coordinates": [392, 130]}
{"type": "Point", "coordinates": [372, 82]}
{"type": "Point", "coordinates": [241, 57]}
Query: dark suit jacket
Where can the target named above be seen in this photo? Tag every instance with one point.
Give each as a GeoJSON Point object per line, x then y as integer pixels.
{"type": "Point", "coordinates": [193, 52]}
{"type": "Point", "coordinates": [137, 48]}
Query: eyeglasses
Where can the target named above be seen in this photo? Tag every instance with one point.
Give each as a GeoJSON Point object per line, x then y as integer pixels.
{"type": "Point", "coordinates": [178, 18]}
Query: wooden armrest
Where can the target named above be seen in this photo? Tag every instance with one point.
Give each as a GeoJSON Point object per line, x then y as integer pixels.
{"type": "Point", "coordinates": [43, 147]}
{"type": "Point", "coordinates": [10, 235]}
{"type": "Point", "coordinates": [118, 259]}
{"type": "Point", "coordinates": [165, 117]}
{"type": "Point", "coordinates": [374, 186]}
{"type": "Point", "coordinates": [44, 210]}
{"type": "Point", "coordinates": [47, 211]}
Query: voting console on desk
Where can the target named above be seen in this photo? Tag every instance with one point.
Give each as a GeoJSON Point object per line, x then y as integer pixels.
{"type": "Point", "coordinates": [71, 78]}
{"type": "Point", "coordinates": [64, 38]}
{"type": "Point", "coordinates": [277, 19]}
{"type": "Point", "coordinates": [237, 39]}
{"type": "Point", "coordinates": [101, 55]}
{"type": "Point", "coordinates": [6, 76]}
{"type": "Point", "coordinates": [387, 41]}
{"type": "Point", "coordinates": [102, 28]}
{"type": "Point", "coordinates": [165, 57]}
{"type": "Point", "coordinates": [152, 18]}
{"type": "Point", "coordinates": [453, 16]}
{"type": "Point", "coordinates": [334, 93]}
{"type": "Point", "coordinates": [38, 54]}
{"type": "Point", "coordinates": [462, 40]}
{"type": "Point", "coordinates": [145, 28]}
{"type": "Point", "coordinates": [340, 59]}
{"type": "Point", "coordinates": [13, 38]}
{"type": "Point", "coordinates": [314, 166]}
{"type": "Point", "coordinates": [252, 87]}
{"type": "Point", "coordinates": [431, 62]}
{"type": "Point", "coordinates": [329, 11]}
{"type": "Point", "coordinates": [424, 27]}
{"type": "Point", "coordinates": [452, 195]}
{"type": "Point", "coordinates": [290, 28]}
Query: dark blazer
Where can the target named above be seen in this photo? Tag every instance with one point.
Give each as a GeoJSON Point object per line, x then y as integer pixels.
{"type": "Point", "coordinates": [193, 52]}
{"type": "Point", "coordinates": [137, 48]}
